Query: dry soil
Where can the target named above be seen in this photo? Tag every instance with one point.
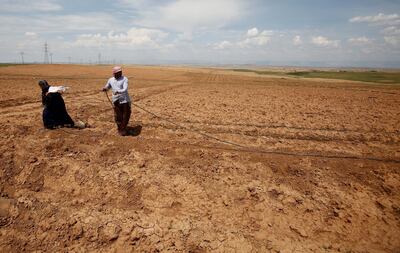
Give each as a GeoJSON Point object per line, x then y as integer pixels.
{"type": "Point", "coordinates": [317, 168]}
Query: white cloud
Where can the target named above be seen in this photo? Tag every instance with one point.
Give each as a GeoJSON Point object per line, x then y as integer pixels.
{"type": "Point", "coordinates": [186, 30]}
{"type": "Point", "coordinates": [267, 33]}
{"type": "Point", "coordinates": [30, 5]}
{"type": "Point", "coordinates": [133, 4]}
{"type": "Point", "coordinates": [391, 30]}
{"type": "Point", "coordinates": [30, 34]}
{"type": "Point", "coordinates": [252, 32]}
{"type": "Point", "coordinates": [297, 41]}
{"type": "Point", "coordinates": [252, 38]}
{"type": "Point", "coordinates": [254, 41]}
{"type": "Point", "coordinates": [135, 37]}
{"type": "Point", "coordinates": [380, 19]}
{"type": "Point", "coordinates": [392, 36]}
{"type": "Point", "coordinates": [189, 15]}
{"type": "Point", "coordinates": [223, 45]}
{"type": "Point", "coordinates": [185, 36]}
{"type": "Point", "coordinates": [90, 22]}
{"type": "Point", "coordinates": [360, 41]}
{"type": "Point", "coordinates": [325, 42]}
{"type": "Point", "coordinates": [392, 40]}
{"type": "Point", "coordinates": [261, 40]}
{"type": "Point", "coordinates": [255, 38]}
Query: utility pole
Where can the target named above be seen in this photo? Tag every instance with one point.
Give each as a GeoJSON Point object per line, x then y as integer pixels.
{"type": "Point", "coordinates": [99, 56]}
{"type": "Point", "coordinates": [22, 57]}
{"type": "Point", "coordinates": [46, 53]}
{"type": "Point", "coordinates": [51, 58]}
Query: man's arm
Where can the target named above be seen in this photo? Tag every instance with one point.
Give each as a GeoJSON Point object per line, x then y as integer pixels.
{"type": "Point", "coordinates": [124, 87]}
{"type": "Point", "coordinates": [107, 86]}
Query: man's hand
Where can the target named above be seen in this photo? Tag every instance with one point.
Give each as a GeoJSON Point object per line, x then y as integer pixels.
{"type": "Point", "coordinates": [104, 89]}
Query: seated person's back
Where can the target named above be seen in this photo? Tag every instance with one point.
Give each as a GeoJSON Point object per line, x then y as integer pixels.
{"type": "Point", "coordinates": [54, 112]}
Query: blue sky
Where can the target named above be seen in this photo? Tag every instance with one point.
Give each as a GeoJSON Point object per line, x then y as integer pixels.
{"type": "Point", "coordinates": [287, 32]}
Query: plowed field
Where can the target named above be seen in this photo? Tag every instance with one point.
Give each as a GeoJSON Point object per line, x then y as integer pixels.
{"type": "Point", "coordinates": [316, 167]}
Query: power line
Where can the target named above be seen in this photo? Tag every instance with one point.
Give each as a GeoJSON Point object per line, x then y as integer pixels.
{"type": "Point", "coordinates": [46, 53]}
{"type": "Point", "coordinates": [22, 57]}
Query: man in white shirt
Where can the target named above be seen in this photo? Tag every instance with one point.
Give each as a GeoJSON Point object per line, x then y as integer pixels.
{"type": "Point", "coordinates": [120, 98]}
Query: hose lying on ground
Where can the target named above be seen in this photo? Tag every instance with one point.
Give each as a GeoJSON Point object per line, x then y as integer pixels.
{"type": "Point", "coordinates": [255, 150]}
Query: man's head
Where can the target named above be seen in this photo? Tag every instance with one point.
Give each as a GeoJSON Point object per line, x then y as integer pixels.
{"type": "Point", "coordinates": [117, 72]}
{"type": "Point", "coordinates": [44, 85]}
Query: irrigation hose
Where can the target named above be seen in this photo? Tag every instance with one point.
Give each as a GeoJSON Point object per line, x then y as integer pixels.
{"type": "Point", "coordinates": [109, 100]}
{"type": "Point", "coordinates": [255, 150]}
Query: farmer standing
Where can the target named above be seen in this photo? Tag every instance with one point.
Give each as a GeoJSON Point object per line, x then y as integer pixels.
{"type": "Point", "coordinates": [120, 99]}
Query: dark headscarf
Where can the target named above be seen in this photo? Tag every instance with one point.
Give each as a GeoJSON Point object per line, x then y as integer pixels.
{"type": "Point", "coordinates": [45, 88]}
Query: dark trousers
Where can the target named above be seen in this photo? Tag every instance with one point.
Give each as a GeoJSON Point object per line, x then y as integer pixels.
{"type": "Point", "coordinates": [122, 114]}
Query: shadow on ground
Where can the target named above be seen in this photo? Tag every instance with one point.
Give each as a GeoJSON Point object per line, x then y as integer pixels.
{"type": "Point", "coordinates": [135, 130]}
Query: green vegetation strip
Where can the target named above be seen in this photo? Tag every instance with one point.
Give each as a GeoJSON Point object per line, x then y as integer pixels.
{"type": "Point", "coordinates": [260, 72]}
{"type": "Point", "coordinates": [7, 64]}
{"type": "Point", "coordinates": [364, 76]}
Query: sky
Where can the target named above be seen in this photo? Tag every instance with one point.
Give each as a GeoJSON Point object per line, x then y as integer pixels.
{"type": "Point", "coordinates": [347, 33]}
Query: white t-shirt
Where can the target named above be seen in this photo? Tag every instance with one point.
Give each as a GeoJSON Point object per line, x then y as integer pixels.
{"type": "Point", "coordinates": [119, 89]}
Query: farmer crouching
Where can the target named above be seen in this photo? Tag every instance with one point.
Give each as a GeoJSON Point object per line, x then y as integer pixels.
{"type": "Point", "coordinates": [120, 99]}
{"type": "Point", "coordinates": [55, 114]}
